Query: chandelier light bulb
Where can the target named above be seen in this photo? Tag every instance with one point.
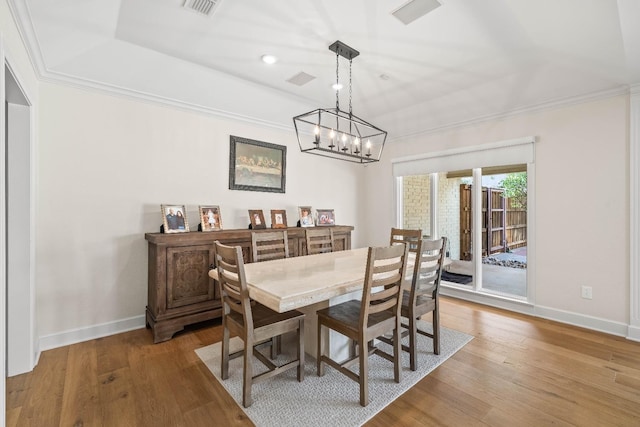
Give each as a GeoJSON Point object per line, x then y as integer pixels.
{"type": "Point", "coordinates": [332, 134]}
{"type": "Point", "coordinates": [316, 131]}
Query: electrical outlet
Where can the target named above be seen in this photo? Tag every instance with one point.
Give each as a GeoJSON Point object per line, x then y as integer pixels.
{"type": "Point", "coordinates": [587, 292]}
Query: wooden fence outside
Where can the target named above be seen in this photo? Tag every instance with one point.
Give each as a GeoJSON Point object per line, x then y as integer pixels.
{"type": "Point", "coordinates": [504, 226]}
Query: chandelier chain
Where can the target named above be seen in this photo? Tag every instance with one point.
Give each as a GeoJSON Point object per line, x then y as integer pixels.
{"type": "Point", "coordinates": [337, 80]}
{"type": "Point", "coordinates": [350, 62]}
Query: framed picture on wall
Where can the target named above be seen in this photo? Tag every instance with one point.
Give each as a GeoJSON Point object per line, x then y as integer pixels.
{"type": "Point", "coordinates": [210, 218]}
{"type": "Point", "coordinates": [278, 218]}
{"type": "Point", "coordinates": [256, 165]}
{"type": "Point", "coordinates": [257, 219]}
{"type": "Point", "coordinates": [174, 218]}
{"type": "Point", "coordinates": [306, 217]}
{"type": "Point", "coordinates": [326, 217]}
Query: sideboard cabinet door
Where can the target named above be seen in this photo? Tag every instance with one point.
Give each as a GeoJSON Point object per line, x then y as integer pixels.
{"type": "Point", "coordinates": [188, 280]}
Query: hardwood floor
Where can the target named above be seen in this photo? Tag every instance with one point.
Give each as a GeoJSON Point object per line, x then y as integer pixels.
{"type": "Point", "coordinates": [517, 370]}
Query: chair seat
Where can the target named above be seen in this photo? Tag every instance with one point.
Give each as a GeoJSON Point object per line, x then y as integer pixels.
{"type": "Point", "coordinates": [264, 316]}
{"type": "Point", "coordinates": [348, 315]}
{"type": "Point", "coordinates": [424, 305]}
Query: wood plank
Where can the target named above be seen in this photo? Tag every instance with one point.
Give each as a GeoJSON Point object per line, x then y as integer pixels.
{"type": "Point", "coordinates": [80, 402]}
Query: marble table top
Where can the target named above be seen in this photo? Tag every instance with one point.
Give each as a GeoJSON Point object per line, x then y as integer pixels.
{"type": "Point", "coordinates": [287, 284]}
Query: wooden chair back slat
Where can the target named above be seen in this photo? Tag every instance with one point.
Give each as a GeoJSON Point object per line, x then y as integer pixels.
{"type": "Point", "coordinates": [401, 235]}
{"type": "Point", "coordinates": [381, 262]}
{"type": "Point", "coordinates": [319, 240]}
{"type": "Point", "coordinates": [269, 245]}
{"type": "Point", "coordinates": [234, 292]}
{"type": "Point", "coordinates": [428, 267]}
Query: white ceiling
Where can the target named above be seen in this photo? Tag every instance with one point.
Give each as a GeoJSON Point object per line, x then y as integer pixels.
{"type": "Point", "coordinates": [465, 60]}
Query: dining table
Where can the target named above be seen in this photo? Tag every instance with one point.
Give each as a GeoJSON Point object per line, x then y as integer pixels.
{"type": "Point", "coordinates": [309, 283]}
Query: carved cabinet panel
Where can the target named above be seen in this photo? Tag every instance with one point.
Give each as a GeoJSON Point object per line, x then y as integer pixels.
{"type": "Point", "coordinates": [188, 279]}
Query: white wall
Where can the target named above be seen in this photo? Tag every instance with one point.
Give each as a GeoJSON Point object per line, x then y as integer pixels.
{"type": "Point", "coordinates": [107, 163]}
{"type": "Point", "coordinates": [581, 200]}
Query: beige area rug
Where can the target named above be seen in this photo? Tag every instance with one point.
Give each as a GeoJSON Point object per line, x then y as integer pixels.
{"type": "Point", "coordinates": [331, 400]}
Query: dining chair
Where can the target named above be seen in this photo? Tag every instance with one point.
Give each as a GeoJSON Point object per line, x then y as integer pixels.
{"type": "Point", "coordinates": [268, 245]}
{"type": "Point", "coordinates": [405, 235]}
{"type": "Point", "coordinates": [376, 314]}
{"type": "Point", "coordinates": [319, 240]}
{"type": "Point", "coordinates": [423, 297]}
{"type": "Point", "coordinates": [253, 322]}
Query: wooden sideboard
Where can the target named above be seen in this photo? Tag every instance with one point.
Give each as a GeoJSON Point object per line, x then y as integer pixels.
{"type": "Point", "coordinates": [180, 291]}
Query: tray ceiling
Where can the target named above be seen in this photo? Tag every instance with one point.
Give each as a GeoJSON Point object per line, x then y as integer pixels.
{"type": "Point", "coordinates": [460, 62]}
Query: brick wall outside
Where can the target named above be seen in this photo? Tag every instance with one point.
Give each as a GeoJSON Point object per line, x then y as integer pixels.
{"type": "Point", "coordinates": [416, 201]}
{"type": "Point", "coordinates": [449, 212]}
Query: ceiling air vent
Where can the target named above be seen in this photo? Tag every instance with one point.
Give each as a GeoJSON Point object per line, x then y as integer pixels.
{"type": "Point", "coordinates": [204, 7]}
{"type": "Point", "coordinates": [414, 9]}
{"type": "Point", "coordinates": [301, 78]}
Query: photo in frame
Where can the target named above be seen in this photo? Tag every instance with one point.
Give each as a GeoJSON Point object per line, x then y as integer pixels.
{"type": "Point", "coordinates": [257, 219]}
{"type": "Point", "coordinates": [306, 216]}
{"type": "Point", "coordinates": [256, 165]}
{"type": "Point", "coordinates": [174, 218]}
{"type": "Point", "coordinates": [326, 217]}
{"type": "Point", "coordinates": [278, 218]}
{"type": "Point", "coordinates": [210, 218]}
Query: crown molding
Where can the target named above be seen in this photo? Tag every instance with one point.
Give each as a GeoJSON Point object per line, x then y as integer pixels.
{"type": "Point", "coordinates": [551, 105]}
{"type": "Point", "coordinates": [135, 95]}
{"type": "Point", "coordinates": [635, 89]}
{"type": "Point", "coordinates": [22, 19]}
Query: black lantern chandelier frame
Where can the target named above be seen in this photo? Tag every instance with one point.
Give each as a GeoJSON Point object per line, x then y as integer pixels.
{"type": "Point", "coordinates": [332, 132]}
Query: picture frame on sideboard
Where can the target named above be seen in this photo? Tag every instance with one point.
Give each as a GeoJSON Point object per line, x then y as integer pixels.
{"type": "Point", "coordinates": [305, 215]}
{"type": "Point", "coordinates": [326, 217]}
{"type": "Point", "coordinates": [278, 218]}
{"type": "Point", "coordinates": [257, 219]}
{"type": "Point", "coordinates": [210, 218]}
{"type": "Point", "coordinates": [174, 218]}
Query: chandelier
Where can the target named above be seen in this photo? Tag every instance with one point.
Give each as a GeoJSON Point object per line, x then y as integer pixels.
{"type": "Point", "coordinates": [332, 132]}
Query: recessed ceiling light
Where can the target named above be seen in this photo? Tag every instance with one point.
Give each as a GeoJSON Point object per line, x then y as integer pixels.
{"type": "Point", "coordinates": [269, 59]}
{"type": "Point", "coordinates": [336, 86]}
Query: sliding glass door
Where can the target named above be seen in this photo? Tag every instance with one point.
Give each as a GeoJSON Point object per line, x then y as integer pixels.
{"type": "Point", "coordinates": [473, 209]}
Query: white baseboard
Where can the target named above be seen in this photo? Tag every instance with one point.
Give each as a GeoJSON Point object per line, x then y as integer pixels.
{"type": "Point", "coordinates": [583, 321]}
{"type": "Point", "coordinates": [633, 333]}
{"type": "Point", "coordinates": [74, 336]}
{"type": "Point", "coordinates": [562, 316]}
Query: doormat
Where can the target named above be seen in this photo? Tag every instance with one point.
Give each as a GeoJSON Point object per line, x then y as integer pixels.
{"type": "Point", "coordinates": [462, 279]}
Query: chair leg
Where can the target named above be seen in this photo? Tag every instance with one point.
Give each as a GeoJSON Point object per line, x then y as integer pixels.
{"type": "Point", "coordinates": [224, 365]}
{"type": "Point", "coordinates": [364, 374]}
{"type": "Point", "coordinates": [413, 338]}
{"type": "Point", "coordinates": [397, 351]}
{"type": "Point", "coordinates": [275, 346]}
{"type": "Point", "coordinates": [436, 330]}
{"type": "Point", "coordinates": [247, 374]}
{"type": "Point", "coordinates": [301, 350]}
{"type": "Point", "coordinates": [319, 366]}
